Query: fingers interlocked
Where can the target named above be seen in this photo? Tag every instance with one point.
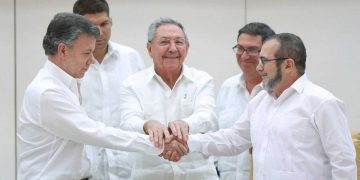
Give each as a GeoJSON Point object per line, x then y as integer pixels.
{"type": "Point", "coordinates": [180, 129]}
{"type": "Point", "coordinates": [158, 132]}
{"type": "Point", "coordinates": [174, 138]}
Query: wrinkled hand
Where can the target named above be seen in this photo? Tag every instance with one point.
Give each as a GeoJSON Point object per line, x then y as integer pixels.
{"type": "Point", "coordinates": [157, 132]}
{"type": "Point", "coordinates": [175, 149]}
{"type": "Point", "coordinates": [180, 129]}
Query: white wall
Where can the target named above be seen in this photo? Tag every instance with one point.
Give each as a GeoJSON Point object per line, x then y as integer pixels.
{"type": "Point", "coordinates": [329, 29]}
{"type": "Point", "coordinates": [7, 95]}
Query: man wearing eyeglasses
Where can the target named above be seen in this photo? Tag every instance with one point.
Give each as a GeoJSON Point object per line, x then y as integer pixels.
{"type": "Point", "coordinates": [236, 92]}
{"type": "Point", "coordinates": [297, 129]}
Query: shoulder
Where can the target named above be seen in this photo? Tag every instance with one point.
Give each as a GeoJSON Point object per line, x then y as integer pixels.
{"type": "Point", "coordinates": [258, 98]}
{"type": "Point", "coordinates": [138, 78]}
{"type": "Point", "coordinates": [231, 81]}
{"type": "Point", "coordinates": [43, 82]}
{"type": "Point", "coordinates": [122, 48]}
{"type": "Point", "coordinates": [317, 94]}
{"type": "Point", "coordinates": [196, 75]}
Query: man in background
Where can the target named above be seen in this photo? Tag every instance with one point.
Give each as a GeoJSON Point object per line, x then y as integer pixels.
{"type": "Point", "coordinates": [100, 87]}
{"type": "Point", "coordinates": [237, 91]}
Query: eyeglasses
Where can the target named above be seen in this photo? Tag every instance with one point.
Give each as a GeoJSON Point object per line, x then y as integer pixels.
{"type": "Point", "coordinates": [262, 60]}
{"type": "Point", "coordinates": [240, 50]}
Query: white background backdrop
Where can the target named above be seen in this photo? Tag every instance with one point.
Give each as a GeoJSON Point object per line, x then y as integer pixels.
{"type": "Point", "coordinates": [329, 28]}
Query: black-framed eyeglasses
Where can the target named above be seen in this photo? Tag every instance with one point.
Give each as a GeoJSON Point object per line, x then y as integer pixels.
{"type": "Point", "coordinates": [240, 50]}
{"type": "Point", "coordinates": [262, 60]}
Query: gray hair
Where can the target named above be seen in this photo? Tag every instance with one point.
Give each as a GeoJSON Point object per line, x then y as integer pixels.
{"type": "Point", "coordinates": [162, 21]}
{"type": "Point", "coordinates": [66, 28]}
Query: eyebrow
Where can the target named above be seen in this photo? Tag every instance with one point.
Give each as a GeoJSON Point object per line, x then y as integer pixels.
{"type": "Point", "coordinates": [177, 38]}
{"type": "Point", "coordinates": [238, 45]}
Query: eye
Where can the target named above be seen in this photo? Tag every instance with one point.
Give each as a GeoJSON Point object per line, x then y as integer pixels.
{"type": "Point", "coordinates": [180, 43]}
{"type": "Point", "coordinates": [87, 53]}
{"type": "Point", "coordinates": [164, 42]}
{"type": "Point", "coordinates": [253, 50]}
{"type": "Point", "coordinates": [240, 49]}
{"type": "Point", "coordinates": [104, 24]}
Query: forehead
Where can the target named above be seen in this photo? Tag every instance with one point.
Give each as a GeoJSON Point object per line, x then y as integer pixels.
{"type": "Point", "coordinates": [247, 40]}
{"type": "Point", "coordinates": [269, 48]}
{"type": "Point", "coordinates": [169, 31]}
{"type": "Point", "coordinates": [97, 18]}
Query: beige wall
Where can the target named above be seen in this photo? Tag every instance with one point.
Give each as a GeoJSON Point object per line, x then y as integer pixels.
{"type": "Point", "coordinates": [7, 95]}
{"type": "Point", "coordinates": [328, 28]}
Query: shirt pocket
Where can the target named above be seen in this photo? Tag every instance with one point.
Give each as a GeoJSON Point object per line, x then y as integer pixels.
{"type": "Point", "coordinates": [186, 108]}
{"type": "Point", "coordinates": [153, 111]}
{"type": "Point", "coordinates": [292, 129]}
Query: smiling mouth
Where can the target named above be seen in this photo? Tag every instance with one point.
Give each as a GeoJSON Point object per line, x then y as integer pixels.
{"type": "Point", "coordinates": [172, 57]}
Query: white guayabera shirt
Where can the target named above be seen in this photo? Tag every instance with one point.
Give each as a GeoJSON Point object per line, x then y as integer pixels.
{"type": "Point", "coordinates": [53, 128]}
{"type": "Point", "coordinates": [301, 135]}
{"type": "Point", "coordinates": [232, 100]}
{"type": "Point", "coordinates": [147, 97]}
{"type": "Point", "coordinates": [100, 90]}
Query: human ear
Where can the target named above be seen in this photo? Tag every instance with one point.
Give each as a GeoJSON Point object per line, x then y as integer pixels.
{"type": "Point", "coordinates": [62, 49]}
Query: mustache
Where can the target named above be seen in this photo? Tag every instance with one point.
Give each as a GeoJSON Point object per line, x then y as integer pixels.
{"type": "Point", "coordinates": [263, 74]}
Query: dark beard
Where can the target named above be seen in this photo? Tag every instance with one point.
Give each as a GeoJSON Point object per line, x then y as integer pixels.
{"type": "Point", "coordinates": [272, 82]}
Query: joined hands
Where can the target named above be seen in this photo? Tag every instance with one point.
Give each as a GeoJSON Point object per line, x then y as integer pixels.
{"type": "Point", "coordinates": [174, 138]}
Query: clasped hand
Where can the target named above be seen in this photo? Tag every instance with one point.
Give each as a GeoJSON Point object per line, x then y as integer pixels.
{"type": "Point", "coordinates": [174, 138]}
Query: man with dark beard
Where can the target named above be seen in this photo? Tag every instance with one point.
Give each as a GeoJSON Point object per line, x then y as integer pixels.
{"type": "Point", "coordinates": [298, 130]}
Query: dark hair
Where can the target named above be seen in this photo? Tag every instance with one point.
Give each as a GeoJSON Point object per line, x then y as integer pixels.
{"type": "Point", "coordinates": [83, 7]}
{"type": "Point", "coordinates": [257, 28]}
{"type": "Point", "coordinates": [162, 21]}
{"type": "Point", "coordinates": [291, 46]}
{"type": "Point", "coordinates": [66, 28]}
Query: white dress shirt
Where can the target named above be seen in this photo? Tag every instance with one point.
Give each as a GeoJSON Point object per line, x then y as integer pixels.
{"type": "Point", "coordinates": [232, 100]}
{"type": "Point", "coordinates": [53, 128]}
{"type": "Point", "coordinates": [100, 90]}
{"type": "Point", "coordinates": [147, 97]}
{"type": "Point", "coordinates": [301, 135]}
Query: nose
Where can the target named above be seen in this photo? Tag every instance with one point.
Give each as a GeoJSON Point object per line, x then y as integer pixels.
{"type": "Point", "coordinates": [100, 30]}
{"type": "Point", "coordinates": [244, 55]}
{"type": "Point", "coordinates": [259, 67]}
{"type": "Point", "coordinates": [91, 59]}
{"type": "Point", "coordinates": [172, 47]}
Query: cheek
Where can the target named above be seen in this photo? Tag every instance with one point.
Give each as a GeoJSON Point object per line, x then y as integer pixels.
{"type": "Point", "coordinates": [183, 52]}
{"type": "Point", "coordinates": [159, 52]}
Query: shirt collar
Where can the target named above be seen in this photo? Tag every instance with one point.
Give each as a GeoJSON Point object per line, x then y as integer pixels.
{"type": "Point", "coordinates": [60, 74]}
{"type": "Point", "coordinates": [184, 73]}
{"type": "Point", "coordinates": [111, 50]}
{"type": "Point", "coordinates": [242, 84]}
{"type": "Point", "coordinates": [300, 83]}
{"type": "Point", "coordinates": [187, 73]}
{"type": "Point", "coordinates": [241, 81]}
{"type": "Point", "coordinates": [298, 86]}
